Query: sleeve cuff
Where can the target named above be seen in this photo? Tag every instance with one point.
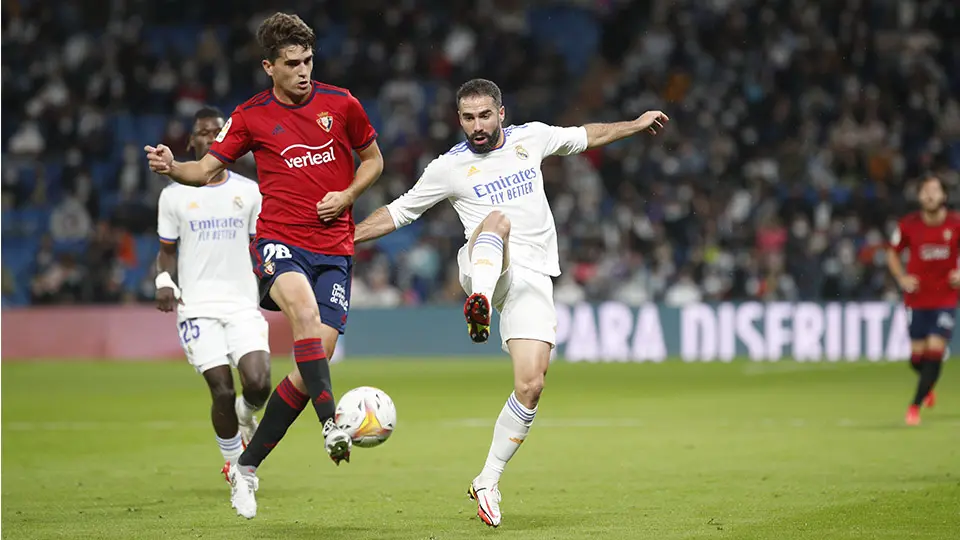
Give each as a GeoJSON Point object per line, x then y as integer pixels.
{"type": "Point", "coordinates": [366, 144]}
{"type": "Point", "coordinates": [165, 240]}
{"type": "Point", "coordinates": [220, 156]}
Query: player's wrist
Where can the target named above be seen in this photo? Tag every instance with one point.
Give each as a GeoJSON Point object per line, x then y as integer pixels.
{"type": "Point", "coordinates": [165, 281]}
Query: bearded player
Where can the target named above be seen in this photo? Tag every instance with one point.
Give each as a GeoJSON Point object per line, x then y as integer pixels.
{"type": "Point", "coordinates": [204, 273]}
{"type": "Point", "coordinates": [929, 284]}
{"type": "Point", "coordinates": [494, 181]}
{"type": "Point", "coordinates": [303, 135]}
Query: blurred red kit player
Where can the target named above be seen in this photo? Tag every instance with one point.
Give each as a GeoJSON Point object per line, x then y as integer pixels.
{"type": "Point", "coordinates": [930, 284]}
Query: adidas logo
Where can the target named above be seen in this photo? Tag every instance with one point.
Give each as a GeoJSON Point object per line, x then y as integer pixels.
{"type": "Point", "coordinates": [324, 397]}
{"type": "Point", "coordinates": [277, 129]}
{"type": "Point", "coordinates": [473, 170]}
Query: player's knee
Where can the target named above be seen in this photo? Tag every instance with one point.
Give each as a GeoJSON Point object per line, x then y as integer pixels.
{"type": "Point", "coordinates": [223, 394]}
{"type": "Point", "coordinates": [497, 222]}
{"type": "Point", "coordinates": [305, 322]}
{"type": "Point", "coordinates": [256, 388]}
{"type": "Point", "coordinates": [528, 390]}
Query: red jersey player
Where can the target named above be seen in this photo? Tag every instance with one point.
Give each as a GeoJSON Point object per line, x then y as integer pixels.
{"type": "Point", "coordinates": [929, 283]}
{"type": "Point", "coordinates": [303, 135]}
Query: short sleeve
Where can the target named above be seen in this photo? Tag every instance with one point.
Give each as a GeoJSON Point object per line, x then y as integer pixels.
{"type": "Point", "coordinates": [233, 141]}
{"type": "Point", "coordinates": [255, 211]}
{"type": "Point", "coordinates": [431, 188]}
{"type": "Point", "coordinates": [168, 226]}
{"type": "Point", "coordinates": [562, 141]}
{"type": "Point", "coordinates": [898, 240]}
{"type": "Point", "coordinates": [359, 129]}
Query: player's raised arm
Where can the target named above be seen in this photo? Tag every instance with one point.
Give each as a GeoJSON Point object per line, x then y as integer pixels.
{"type": "Point", "coordinates": [189, 173]}
{"type": "Point", "coordinates": [428, 191]}
{"type": "Point", "coordinates": [603, 134]}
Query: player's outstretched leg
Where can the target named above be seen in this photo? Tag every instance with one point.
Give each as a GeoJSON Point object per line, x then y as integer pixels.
{"type": "Point", "coordinates": [531, 358]}
{"type": "Point", "coordinates": [220, 381]}
{"type": "Point", "coordinates": [930, 369]}
{"type": "Point", "coordinates": [314, 342]}
{"type": "Point", "coordinates": [488, 259]}
{"type": "Point", "coordinates": [254, 369]}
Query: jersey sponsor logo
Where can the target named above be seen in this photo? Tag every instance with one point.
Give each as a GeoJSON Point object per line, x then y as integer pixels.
{"type": "Point", "coordinates": [934, 252]}
{"type": "Point", "coordinates": [507, 187]}
{"type": "Point", "coordinates": [521, 152]}
{"type": "Point", "coordinates": [308, 155]}
{"type": "Point", "coordinates": [325, 121]}
{"type": "Point", "coordinates": [217, 228]}
{"type": "Point", "coordinates": [224, 130]}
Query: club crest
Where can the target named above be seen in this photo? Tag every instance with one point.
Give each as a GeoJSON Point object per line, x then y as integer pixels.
{"type": "Point", "coordinates": [521, 152]}
{"type": "Point", "coordinates": [325, 121]}
{"type": "Point", "coordinates": [238, 202]}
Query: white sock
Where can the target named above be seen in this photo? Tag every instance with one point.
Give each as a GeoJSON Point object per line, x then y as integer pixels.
{"type": "Point", "coordinates": [511, 429]}
{"type": "Point", "coordinates": [231, 448]}
{"type": "Point", "coordinates": [487, 263]}
{"type": "Point", "coordinates": [244, 410]}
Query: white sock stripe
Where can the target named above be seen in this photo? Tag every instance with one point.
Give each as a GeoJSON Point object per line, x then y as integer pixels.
{"type": "Point", "coordinates": [495, 247]}
{"type": "Point", "coordinates": [233, 443]}
{"type": "Point", "coordinates": [524, 414]}
{"type": "Point", "coordinates": [489, 238]}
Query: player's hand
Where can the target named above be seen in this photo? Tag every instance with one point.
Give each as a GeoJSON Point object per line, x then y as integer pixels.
{"type": "Point", "coordinates": [332, 205]}
{"type": "Point", "coordinates": [160, 158]}
{"type": "Point", "coordinates": [909, 283]}
{"type": "Point", "coordinates": [955, 279]}
{"type": "Point", "coordinates": [167, 300]}
{"type": "Point", "coordinates": [652, 121]}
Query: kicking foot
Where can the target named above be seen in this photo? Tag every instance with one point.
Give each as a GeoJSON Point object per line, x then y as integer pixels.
{"type": "Point", "coordinates": [930, 400]}
{"type": "Point", "coordinates": [247, 421]}
{"type": "Point", "coordinates": [487, 495]}
{"type": "Point", "coordinates": [337, 442]}
{"type": "Point", "coordinates": [477, 311]}
{"type": "Point", "coordinates": [913, 416]}
{"type": "Point", "coordinates": [243, 485]}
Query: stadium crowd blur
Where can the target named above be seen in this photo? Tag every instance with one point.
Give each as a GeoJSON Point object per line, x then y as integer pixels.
{"type": "Point", "coordinates": [797, 134]}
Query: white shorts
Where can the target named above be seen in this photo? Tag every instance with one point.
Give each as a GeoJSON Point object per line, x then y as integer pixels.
{"type": "Point", "coordinates": [210, 342]}
{"type": "Point", "coordinates": [524, 298]}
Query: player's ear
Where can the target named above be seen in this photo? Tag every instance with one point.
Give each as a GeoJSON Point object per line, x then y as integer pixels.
{"type": "Point", "coordinates": [267, 67]}
{"type": "Point", "coordinates": [503, 113]}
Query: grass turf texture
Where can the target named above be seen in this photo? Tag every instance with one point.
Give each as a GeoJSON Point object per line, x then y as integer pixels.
{"type": "Point", "coordinates": [741, 450]}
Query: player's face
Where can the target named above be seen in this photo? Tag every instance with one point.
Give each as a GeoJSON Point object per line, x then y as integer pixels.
{"type": "Point", "coordinates": [205, 130]}
{"type": "Point", "coordinates": [291, 71]}
{"type": "Point", "coordinates": [480, 119]}
{"type": "Point", "coordinates": [932, 197]}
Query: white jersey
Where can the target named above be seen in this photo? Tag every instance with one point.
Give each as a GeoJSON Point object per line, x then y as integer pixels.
{"type": "Point", "coordinates": [212, 226]}
{"type": "Point", "coordinates": [508, 179]}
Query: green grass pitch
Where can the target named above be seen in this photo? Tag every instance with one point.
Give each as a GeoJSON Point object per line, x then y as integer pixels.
{"type": "Point", "coordinates": [661, 451]}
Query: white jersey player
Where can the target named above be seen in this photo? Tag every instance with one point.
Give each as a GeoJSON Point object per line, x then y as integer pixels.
{"type": "Point", "coordinates": [494, 181]}
{"type": "Point", "coordinates": [206, 274]}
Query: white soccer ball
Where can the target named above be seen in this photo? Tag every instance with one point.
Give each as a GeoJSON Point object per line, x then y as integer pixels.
{"type": "Point", "coordinates": [368, 415]}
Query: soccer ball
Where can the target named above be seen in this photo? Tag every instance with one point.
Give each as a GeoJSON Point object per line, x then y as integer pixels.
{"type": "Point", "coordinates": [368, 415]}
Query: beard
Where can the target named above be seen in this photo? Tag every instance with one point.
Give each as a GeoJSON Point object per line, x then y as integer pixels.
{"type": "Point", "coordinates": [487, 145]}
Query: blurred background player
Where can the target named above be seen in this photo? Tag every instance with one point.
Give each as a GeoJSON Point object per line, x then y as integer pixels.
{"type": "Point", "coordinates": [929, 285]}
{"type": "Point", "coordinates": [212, 287]}
{"type": "Point", "coordinates": [494, 181]}
{"type": "Point", "coordinates": [303, 134]}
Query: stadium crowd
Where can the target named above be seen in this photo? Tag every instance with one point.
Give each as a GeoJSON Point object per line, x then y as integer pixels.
{"type": "Point", "coordinates": [798, 132]}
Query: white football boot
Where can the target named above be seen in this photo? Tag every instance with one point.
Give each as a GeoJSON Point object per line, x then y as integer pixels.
{"type": "Point", "coordinates": [242, 488]}
{"type": "Point", "coordinates": [337, 442]}
{"type": "Point", "coordinates": [247, 421]}
{"type": "Point", "coordinates": [487, 495]}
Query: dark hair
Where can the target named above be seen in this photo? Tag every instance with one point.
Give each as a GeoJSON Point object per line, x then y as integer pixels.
{"type": "Point", "coordinates": [480, 87]}
{"type": "Point", "coordinates": [932, 178]}
{"type": "Point", "coordinates": [208, 112]}
{"type": "Point", "coordinates": [282, 30]}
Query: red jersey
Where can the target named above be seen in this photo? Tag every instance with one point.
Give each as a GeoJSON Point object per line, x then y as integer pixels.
{"type": "Point", "coordinates": [933, 255]}
{"type": "Point", "coordinates": [302, 152]}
